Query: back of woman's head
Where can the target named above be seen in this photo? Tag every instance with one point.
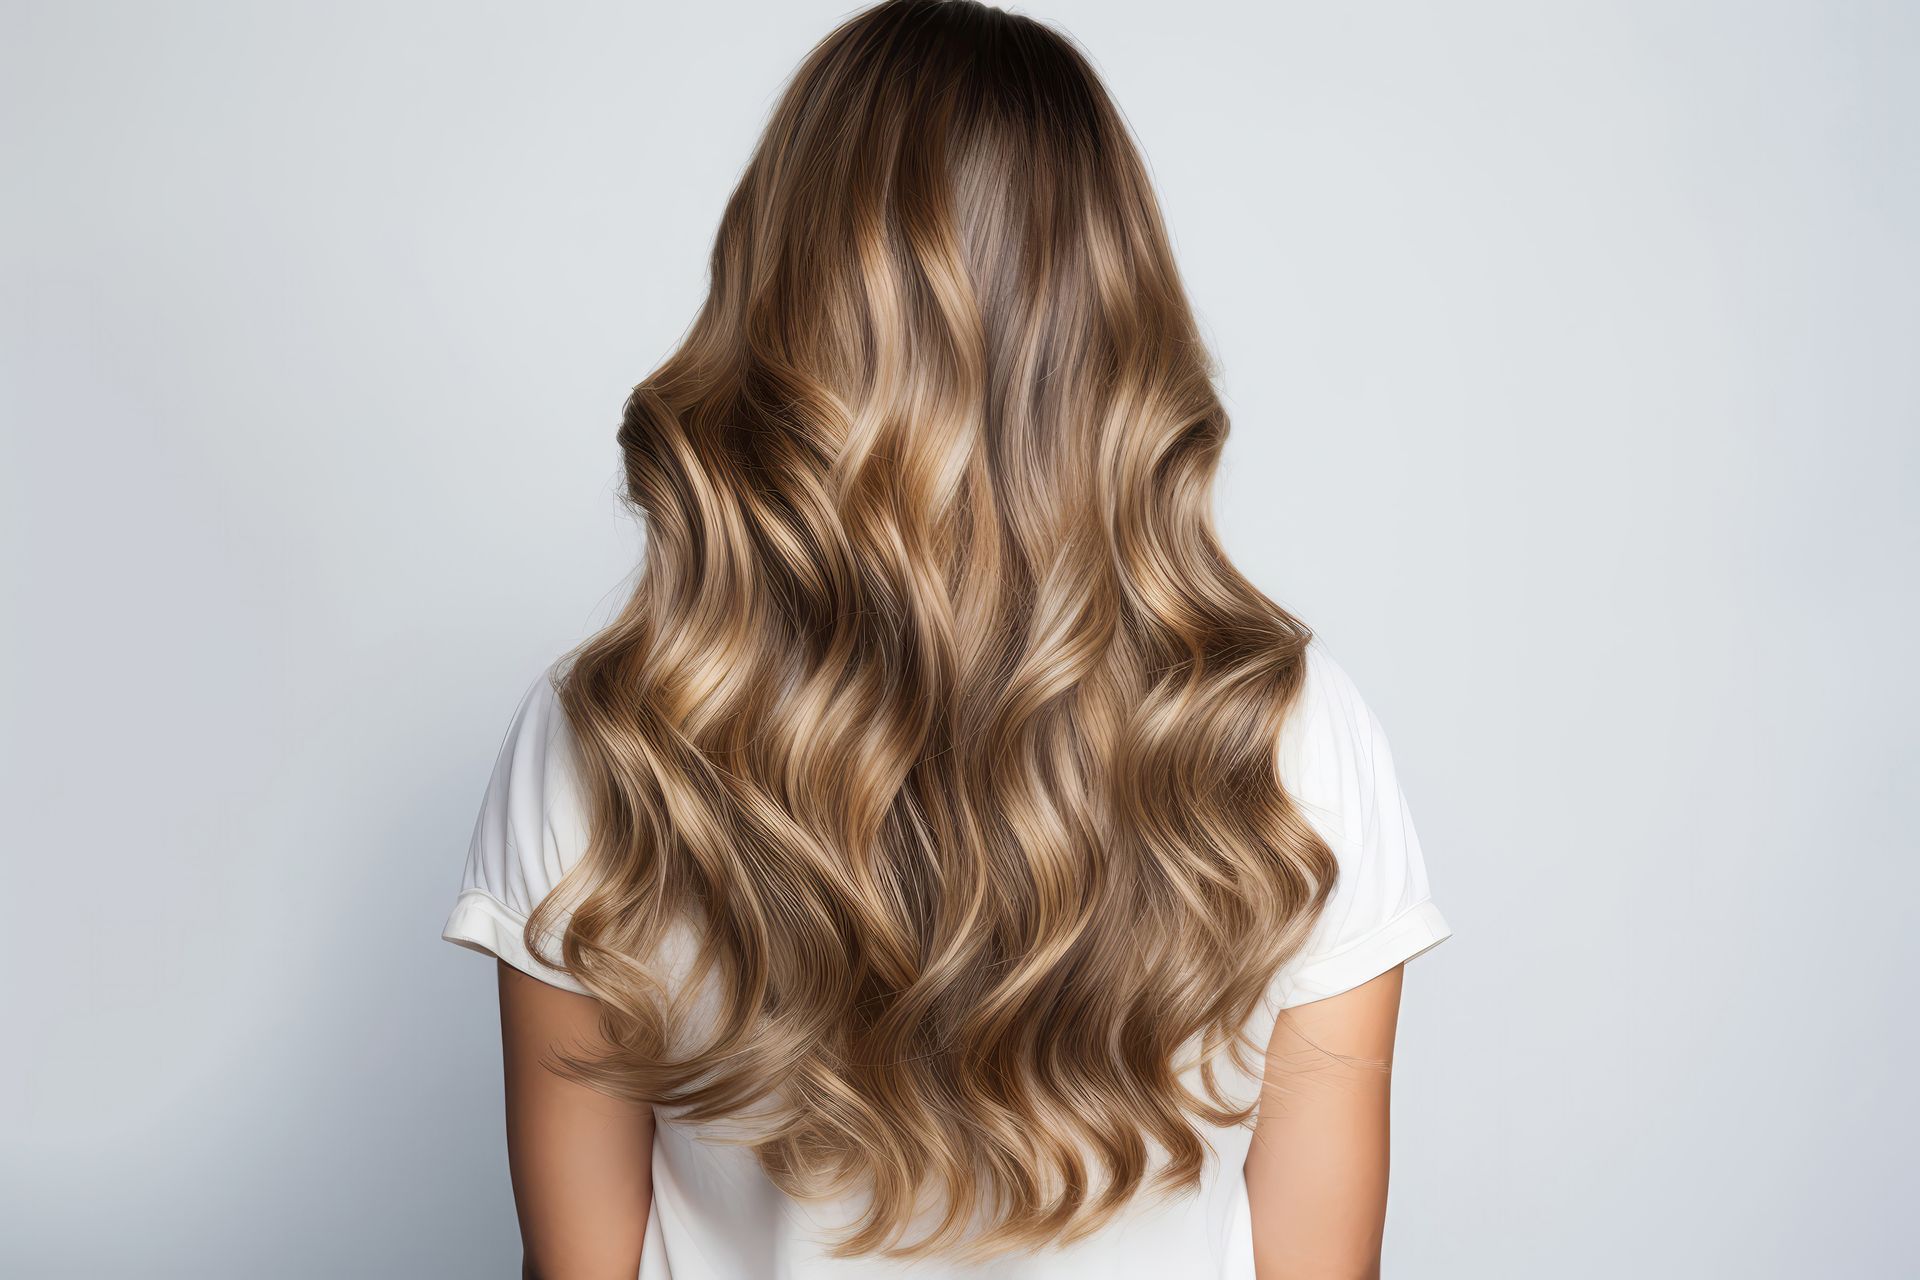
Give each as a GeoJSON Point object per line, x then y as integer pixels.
{"type": "Point", "coordinates": [938, 712]}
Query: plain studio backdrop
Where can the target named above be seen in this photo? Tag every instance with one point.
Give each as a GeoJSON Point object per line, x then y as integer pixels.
{"type": "Point", "coordinates": [1571, 350]}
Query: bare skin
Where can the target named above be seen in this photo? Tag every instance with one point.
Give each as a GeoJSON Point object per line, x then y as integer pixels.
{"type": "Point", "coordinates": [1317, 1170]}
{"type": "Point", "coordinates": [1316, 1173]}
{"type": "Point", "coordinates": [582, 1162]}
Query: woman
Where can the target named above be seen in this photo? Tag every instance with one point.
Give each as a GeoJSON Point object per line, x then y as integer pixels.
{"type": "Point", "coordinates": [947, 858]}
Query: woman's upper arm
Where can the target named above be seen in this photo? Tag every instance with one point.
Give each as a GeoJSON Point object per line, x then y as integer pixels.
{"type": "Point", "coordinates": [1317, 1169]}
{"type": "Point", "coordinates": [581, 1160]}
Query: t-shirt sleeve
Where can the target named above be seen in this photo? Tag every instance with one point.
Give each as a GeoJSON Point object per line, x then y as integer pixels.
{"type": "Point", "coordinates": [1335, 763]}
{"type": "Point", "coordinates": [530, 831]}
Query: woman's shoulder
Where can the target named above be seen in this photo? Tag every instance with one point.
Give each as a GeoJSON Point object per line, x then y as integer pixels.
{"type": "Point", "coordinates": [531, 830]}
{"type": "Point", "coordinates": [1329, 723]}
{"type": "Point", "coordinates": [536, 767]}
{"type": "Point", "coordinates": [1336, 765]}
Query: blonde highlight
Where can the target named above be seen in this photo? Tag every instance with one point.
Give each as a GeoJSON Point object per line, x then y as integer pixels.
{"type": "Point", "coordinates": [938, 715]}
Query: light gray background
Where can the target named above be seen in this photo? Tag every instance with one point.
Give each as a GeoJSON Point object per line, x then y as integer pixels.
{"type": "Point", "coordinates": [1571, 350]}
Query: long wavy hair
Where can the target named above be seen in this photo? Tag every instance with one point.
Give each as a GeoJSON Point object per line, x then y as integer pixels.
{"type": "Point", "coordinates": [938, 716]}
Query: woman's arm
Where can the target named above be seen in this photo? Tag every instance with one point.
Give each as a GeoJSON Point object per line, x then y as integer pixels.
{"type": "Point", "coordinates": [1317, 1170]}
{"type": "Point", "coordinates": [582, 1161]}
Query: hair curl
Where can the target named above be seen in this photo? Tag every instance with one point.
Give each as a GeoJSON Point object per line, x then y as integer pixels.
{"type": "Point", "coordinates": [938, 713]}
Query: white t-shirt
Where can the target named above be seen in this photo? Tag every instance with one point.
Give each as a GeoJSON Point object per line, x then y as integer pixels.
{"type": "Point", "coordinates": [716, 1216]}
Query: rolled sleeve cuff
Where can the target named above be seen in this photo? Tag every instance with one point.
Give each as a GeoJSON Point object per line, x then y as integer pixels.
{"type": "Point", "coordinates": [1417, 929]}
{"type": "Point", "coordinates": [482, 923]}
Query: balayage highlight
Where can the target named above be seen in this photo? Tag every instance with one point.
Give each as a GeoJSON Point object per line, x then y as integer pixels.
{"type": "Point", "coordinates": [938, 714]}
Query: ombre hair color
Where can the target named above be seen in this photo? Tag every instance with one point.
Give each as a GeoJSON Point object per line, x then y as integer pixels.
{"type": "Point", "coordinates": [938, 715]}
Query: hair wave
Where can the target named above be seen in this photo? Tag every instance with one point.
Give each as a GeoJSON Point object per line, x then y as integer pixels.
{"type": "Point", "coordinates": [938, 711]}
